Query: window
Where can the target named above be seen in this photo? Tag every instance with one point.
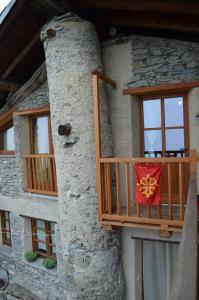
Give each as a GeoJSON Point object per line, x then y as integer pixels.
{"type": "Point", "coordinates": [43, 237]}
{"type": "Point", "coordinates": [5, 227]}
{"type": "Point", "coordinates": [164, 126]}
{"type": "Point", "coordinates": [7, 145]}
{"type": "Point", "coordinates": [40, 135]}
{"type": "Point", "coordinates": [158, 262]}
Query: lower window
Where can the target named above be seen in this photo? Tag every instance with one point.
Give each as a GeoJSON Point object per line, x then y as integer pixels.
{"type": "Point", "coordinates": [5, 228]}
{"type": "Point", "coordinates": [159, 261]}
{"type": "Point", "coordinates": [43, 237]}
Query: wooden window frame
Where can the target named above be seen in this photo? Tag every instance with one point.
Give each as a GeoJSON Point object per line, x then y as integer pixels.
{"type": "Point", "coordinates": [163, 128]}
{"type": "Point", "coordinates": [5, 241]}
{"type": "Point", "coordinates": [31, 117]}
{"type": "Point", "coordinates": [48, 238]}
{"type": "Point", "coordinates": [4, 128]}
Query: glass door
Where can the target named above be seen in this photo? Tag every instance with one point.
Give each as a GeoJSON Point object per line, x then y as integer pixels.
{"type": "Point", "coordinates": [164, 127]}
{"type": "Point", "coordinates": [165, 134]}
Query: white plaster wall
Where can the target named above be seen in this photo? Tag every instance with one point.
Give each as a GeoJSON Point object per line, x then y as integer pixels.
{"type": "Point", "coordinates": [193, 98]}
{"type": "Point", "coordinates": [30, 206]}
{"type": "Point", "coordinates": [124, 122]}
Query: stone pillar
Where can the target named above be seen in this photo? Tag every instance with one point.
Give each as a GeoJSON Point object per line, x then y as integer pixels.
{"type": "Point", "coordinates": [92, 256]}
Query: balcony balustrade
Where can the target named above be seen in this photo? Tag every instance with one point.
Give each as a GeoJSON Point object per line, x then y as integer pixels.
{"type": "Point", "coordinates": [41, 174]}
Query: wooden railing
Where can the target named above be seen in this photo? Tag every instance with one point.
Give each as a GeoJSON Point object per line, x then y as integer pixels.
{"type": "Point", "coordinates": [185, 283]}
{"type": "Point", "coordinates": [41, 174]}
{"type": "Point", "coordinates": [115, 182]}
{"type": "Point", "coordinates": [117, 205]}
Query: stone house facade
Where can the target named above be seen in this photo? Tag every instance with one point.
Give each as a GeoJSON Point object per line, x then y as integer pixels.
{"type": "Point", "coordinates": [92, 262]}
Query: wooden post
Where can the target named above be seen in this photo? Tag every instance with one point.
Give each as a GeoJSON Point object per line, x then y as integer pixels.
{"type": "Point", "coordinates": [96, 76]}
{"type": "Point", "coordinates": [97, 142]}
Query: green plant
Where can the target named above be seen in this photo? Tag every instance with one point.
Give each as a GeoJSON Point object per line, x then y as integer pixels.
{"type": "Point", "coordinates": [49, 262]}
{"type": "Point", "coordinates": [31, 255]}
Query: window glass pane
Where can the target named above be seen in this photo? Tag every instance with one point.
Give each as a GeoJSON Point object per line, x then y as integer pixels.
{"type": "Point", "coordinates": [153, 143]}
{"type": "Point", "coordinates": [7, 139]}
{"type": "Point", "coordinates": [53, 251]}
{"type": "Point", "coordinates": [174, 139]}
{"type": "Point", "coordinates": [152, 113]}
{"type": "Point", "coordinates": [7, 225]}
{"type": "Point", "coordinates": [41, 235]}
{"type": "Point", "coordinates": [40, 224]}
{"type": "Point", "coordinates": [10, 139]}
{"type": "Point", "coordinates": [52, 227]}
{"type": "Point", "coordinates": [174, 111]}
{"type": "Point", "coordinates": [7, 235]}
{"type": "Point", "coordinates": [42, 246]}
{"type": "Point", "coordinates": [159, 261]}
{"type": "Point", "coordinates": [40, 135]}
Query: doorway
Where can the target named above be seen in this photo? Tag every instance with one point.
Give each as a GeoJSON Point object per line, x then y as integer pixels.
{"type": "Point", "coordinates": [165, 133]}
{"type": "Point", "coordinates": [159, 261]}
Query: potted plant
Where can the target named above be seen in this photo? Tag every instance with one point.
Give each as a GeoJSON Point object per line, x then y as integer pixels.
{"type": "Point", "coordinates": [49, 262]}
{"type": "Point", "coordinates": [31, 255]}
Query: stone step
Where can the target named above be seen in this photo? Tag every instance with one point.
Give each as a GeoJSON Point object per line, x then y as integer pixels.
{"type": "Point", "coordinates": [14, 291]}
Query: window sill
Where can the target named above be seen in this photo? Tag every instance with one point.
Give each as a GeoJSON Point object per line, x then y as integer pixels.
{"type": "Point", "coordinates": [38, 265]}
{"type": "Point", "coordinates": [6, 251]}
{"type": "Point", "coordinates": [7, 155]}
{"type": "Point", "coordinates": [46, 197]}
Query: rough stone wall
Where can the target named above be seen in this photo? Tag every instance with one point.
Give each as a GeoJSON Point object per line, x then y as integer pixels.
{"type": "Point", "coordinates": [157, 61]}
{"type": "Point", "coordinates": [7, 264]}
{"type": "Point", "coordinates": [48, 285]}
{"type": "Point", "coordinates": [9, 180]}
{"type": "Point", "coordinates": [92, 256]}
{"type": "Point", "coordinates": [45, 284]}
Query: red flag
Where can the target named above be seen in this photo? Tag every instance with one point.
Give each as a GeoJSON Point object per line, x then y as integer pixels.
{"type": "Point", "coordinates": [147, 190]}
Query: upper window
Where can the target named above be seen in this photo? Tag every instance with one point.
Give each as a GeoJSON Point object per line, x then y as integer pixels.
{"type": "Point", "coordinates": [40, 134]}
{"type": "Point", "coordinates": [164, 126]}
{"type": "Point", "coordinates": [43, 236]}
{"type": "Point", "coordinates": [7, 145]}
{"type": "Point", "coordinates": [5, 227]}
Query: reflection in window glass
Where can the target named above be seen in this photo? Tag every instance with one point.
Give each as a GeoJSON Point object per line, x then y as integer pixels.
{"type": "Point", "coordinates": [159, 261]}
{"type": "Point", "coordinates": [40, 135]}
{"type": "Point", "coordinates": [152, 114]}
{"type": "Point", "coordinates": [173, 111]}
{"type": "Point", "coordinates": [7, 139]}
{"type": "Point", "coordinates": [152, 141]}
{"type": "Point", "coordinates": [174, 139]}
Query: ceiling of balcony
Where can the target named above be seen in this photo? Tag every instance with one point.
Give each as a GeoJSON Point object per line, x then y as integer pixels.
{"type": "Point", "coordinates": [21, 50]}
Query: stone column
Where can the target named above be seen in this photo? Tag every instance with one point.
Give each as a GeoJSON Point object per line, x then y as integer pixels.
{"type": "Point", "coordinates": [92, 256]}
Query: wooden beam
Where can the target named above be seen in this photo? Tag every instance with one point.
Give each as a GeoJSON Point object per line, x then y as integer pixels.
{"type": "Point", "coordinates": [34, 111]}
{"type": "Point", "coordinates": [11, 17]}
{"type": "Point", "coordinates": [176, 23]}
{"type": "Point", "coordinates": [8, 86]}
{"type": "Point", "coordinates": [158, 89]}
{"type": "Point", "coordinates": [104, 78]}
{"type": "Point", "coordinates": [51, 7]}
{"type": "Point", "coordinates": [7, 117]}
{"type": "Point", "coordinates": [37, 79]}
{"type": "Point", "coordinates": [175, 6]}
{"type": "Point", "coordinates": [21, 55]}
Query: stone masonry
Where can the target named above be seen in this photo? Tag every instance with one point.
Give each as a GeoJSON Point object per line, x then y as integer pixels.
{"type": "Point", "coordinates": [157, 61]}
{"type": "Point", "coordinates": [92, 255]}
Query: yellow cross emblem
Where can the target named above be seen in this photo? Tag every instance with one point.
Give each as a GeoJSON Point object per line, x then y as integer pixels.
{"type": "Point", "coordinates": [147, 186]}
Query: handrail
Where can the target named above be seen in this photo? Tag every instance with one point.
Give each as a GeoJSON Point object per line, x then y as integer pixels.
{"type": "Point", "coordinates": [38, 155]}
{"type": "Point", "coordinates": [143, 159]}
{"type": "Point", "coordinates": [185, 279]}
{"type": "Point", "coordinates": [40, 174]}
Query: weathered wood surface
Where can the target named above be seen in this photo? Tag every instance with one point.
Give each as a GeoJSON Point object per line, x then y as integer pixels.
{"type": "Point", "coordinates": [37, 79]}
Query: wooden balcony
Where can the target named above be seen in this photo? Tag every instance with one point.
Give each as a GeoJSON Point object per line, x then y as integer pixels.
{"type": "Point", "coordinates": [115, 182]}
{"type": "Point", "coordinates": [41, 174]}
{"type": "Point", "coordinates": [117, 205]}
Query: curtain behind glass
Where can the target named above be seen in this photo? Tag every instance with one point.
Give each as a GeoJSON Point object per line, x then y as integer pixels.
{"type": "Point", "coordinates": [159, 260]}
{"type": "Point", "coordinates": [40, 135]}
